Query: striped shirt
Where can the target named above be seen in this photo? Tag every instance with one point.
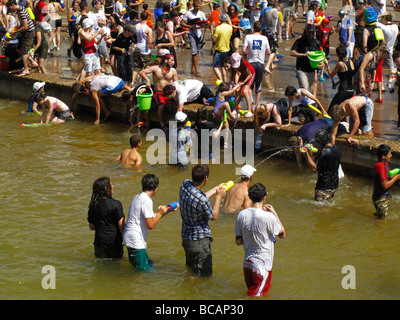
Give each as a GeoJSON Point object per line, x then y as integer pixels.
{"type": "Point", "coordinates": [195, 210]}
{"type": "Point", "coordinates": [24, 15]}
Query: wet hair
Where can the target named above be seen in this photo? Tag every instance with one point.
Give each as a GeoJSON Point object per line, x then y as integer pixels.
{"type": "Point", "coordinates": [164, 58]}
{"type": "Point", "coordinates": [338, 112]}
{"type": "Point", "coordinates": [101, 189]}
{"type": "Point", "coordinates": [294, 141]}
{"type": "Point", "coordinates": [116, 19]}
{"type": "Point", "coordinates": [168, 90]}
{"type": "Point", "coordinates": [159, 24]}
{"type": "Point", "coordinates": [236, 10]}
{"type": "Point", "coordinates": [39, 96]}
{"type": "Point", "coordinates": [383, 49]}
{"type": "Point", "coordinates": [10, 3]}
{"type": "Point", "coordinates": [174, 13]}
{"type": "Point", "coordinates": [341, 51]}
{"type": "Point", "coordinates": [322, 137]}
{"type": "Point", "coordinates": [199, 173]}
{"type": "Point", "coordinates": [257, 192]}
{"type": "Point", "coordinates": [290, 91]}
{"type": "Point", "coordinates": [145, 6]}
{"type": "Point", "coordinates": [83, 5]}
{"type": "Point", "coordinates": [396, 54]}
{"type": "Point", "coordinates": [144, 15]}
{"type": "Point", "coordinates": [135, 140]}
{"type": "Point", "coordinates": [223, 86]}
{"type": "Point", "coordinates": [382, 150]}
{"type": "Point", "coordinates": [257, 26]}
{"type": "Point", "coordinates": [261, 116]}
{"type": "Point", "coordinates": [149, 182]}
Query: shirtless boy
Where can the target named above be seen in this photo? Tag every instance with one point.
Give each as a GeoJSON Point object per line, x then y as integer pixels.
{"type": "Point", "coordinates": [360, 109]}
{"type": "Point", "coordinates": [237, 197]}
{"type": "Point", "coordinates": [131, 157]}
{"type": "Point", "coordinates": [163, 74]}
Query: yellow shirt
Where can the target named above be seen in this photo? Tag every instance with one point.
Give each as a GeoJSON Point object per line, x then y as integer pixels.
{"type": "Point", "coordinates": [223, 34]}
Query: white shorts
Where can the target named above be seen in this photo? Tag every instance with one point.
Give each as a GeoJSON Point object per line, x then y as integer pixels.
{"type": "Point", "coordinates": [91, 62]}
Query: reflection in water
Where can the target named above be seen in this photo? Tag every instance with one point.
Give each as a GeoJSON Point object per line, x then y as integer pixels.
{"type": "Point", "coordinates": [46, 179]}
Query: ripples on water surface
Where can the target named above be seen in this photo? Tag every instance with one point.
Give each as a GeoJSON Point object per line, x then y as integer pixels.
{"type": "Point", "coordinates": [46, 179]}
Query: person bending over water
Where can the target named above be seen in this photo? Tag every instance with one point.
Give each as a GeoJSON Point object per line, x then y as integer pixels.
{"type": "Point", "coordinates": [51, 104]}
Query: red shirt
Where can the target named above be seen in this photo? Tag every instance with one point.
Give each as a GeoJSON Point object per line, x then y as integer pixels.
{"type": "Point", "coordinates": [41, 11]}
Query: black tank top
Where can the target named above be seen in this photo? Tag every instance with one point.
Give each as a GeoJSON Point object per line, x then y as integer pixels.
{"type": "Point", "coordinates": [346, 78]}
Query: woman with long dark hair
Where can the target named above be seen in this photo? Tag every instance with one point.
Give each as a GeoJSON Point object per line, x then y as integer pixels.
{"type": "Point", "coordinates": [106, 217]}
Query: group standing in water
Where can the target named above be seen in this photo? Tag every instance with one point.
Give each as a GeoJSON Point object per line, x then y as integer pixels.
{"type": "Point", "coordinates": [238, 75]}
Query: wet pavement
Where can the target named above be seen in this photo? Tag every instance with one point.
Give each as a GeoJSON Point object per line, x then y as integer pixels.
{"type": "Point", "coordinates": [385, 114]}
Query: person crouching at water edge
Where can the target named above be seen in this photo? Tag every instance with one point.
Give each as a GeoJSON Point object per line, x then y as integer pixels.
{"type": "Point", "coordinates": [51, 104]}
{"type": "Point", "coordinates": [255, 229]}
{"type": "Point", "coordinates": [141, 218]}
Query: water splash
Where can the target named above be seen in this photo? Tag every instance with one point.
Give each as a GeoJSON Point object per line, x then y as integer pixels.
{"type": "Point", "coordinates": [280, 151]}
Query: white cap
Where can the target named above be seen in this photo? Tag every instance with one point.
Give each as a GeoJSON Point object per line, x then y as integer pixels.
{"type": "Point", "coordinates": [247, 171]}
{"type": "Point", "coordinates": [180, 116]}
{"type": "Point", "coordinates": [87, 23]}
{"type": "Point", "coordinates": [37, 86]}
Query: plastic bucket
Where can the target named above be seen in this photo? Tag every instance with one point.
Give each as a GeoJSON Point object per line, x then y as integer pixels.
{"type": "Point", "coordinates": [144, 99]}
{"type": "Point", "coordinates": [315, 57]}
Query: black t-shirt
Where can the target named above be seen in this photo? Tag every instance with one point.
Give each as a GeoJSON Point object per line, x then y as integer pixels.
{"type": "Point", "coordinates": [105, 216]}
{"type": "Point", "coordinates": [123, 42]}
{"type": "Point", "coordinates": [302, 45]}
{"type": "Point", "coordinates": [328, 165]}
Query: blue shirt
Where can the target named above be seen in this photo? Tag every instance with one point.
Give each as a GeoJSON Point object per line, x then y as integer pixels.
{"type": "Point", "coordinates": [195, 210]}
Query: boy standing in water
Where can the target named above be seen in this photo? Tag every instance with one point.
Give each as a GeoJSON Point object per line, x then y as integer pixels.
{"type": "Point", "coordinates": [381, 196]}
{"type": "Point", "coordinates": [131, 157]}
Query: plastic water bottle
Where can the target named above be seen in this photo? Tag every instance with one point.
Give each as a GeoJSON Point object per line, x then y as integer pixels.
{"type": "Point", "coordinates": [390, 84]}
{"type": "Point", "coordinates": [258, 140]}
{"type": "Point", "coordinates": [62, 3]}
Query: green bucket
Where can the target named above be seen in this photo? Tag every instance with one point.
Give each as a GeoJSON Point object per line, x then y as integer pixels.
{"type": "Point", "coordinates": [144, 99]}
{"type": "Point", "coordinates": [315, 57]}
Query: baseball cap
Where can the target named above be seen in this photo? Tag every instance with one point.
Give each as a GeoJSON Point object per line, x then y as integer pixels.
{"type": "Point", "coordinates": [342, 12]}
{"type": "Point", "coordinates": [37, 86]}
{"type": "Point", "coordinates": [129, 27]}
{"type": "Point", "coordinates": [180, 116]}
{"type": "Point", "coordinates": [247, 171]}
{"type": "Point", "coordinates": [235, 58]}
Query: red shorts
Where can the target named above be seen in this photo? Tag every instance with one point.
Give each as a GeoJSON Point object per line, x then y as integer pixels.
{"type": "Point", "coordinates": [258, 283]}
{"type": "Point", "coordinates": [159, 98]}
{"type": "Point", "coordinates": [378, 73]}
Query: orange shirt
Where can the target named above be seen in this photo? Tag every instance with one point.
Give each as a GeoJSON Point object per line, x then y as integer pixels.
{"type": "Point", "coordinates": [235, 20]}
{"type": "Point", "coordinates": [149, 23]}
{"type": "Point", "coordinates": [214, 17]}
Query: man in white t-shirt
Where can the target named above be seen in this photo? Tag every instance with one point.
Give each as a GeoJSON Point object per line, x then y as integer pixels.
{"type": "Point", "coordinates": [256, 46]}
{"type": "Point", "coordinates": [195, 36]}
{"type": "Point", "coordinates": [141, 218]}
{"type": "Point", "coordinates": [255, 229]}
{"type": "Point", "coordinates": [188, 90]}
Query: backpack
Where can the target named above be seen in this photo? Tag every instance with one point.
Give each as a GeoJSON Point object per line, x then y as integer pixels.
{"type": "Point", "coordinates": [370, 16]}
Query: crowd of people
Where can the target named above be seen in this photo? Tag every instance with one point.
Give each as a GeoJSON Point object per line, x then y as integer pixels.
{"type": "Point", "coordinates": [124, 36]}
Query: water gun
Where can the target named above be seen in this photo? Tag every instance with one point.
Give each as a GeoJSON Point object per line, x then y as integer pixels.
{"type": "Point", "coordinates": [218, 82]}
{"type": "Point", "coordinates": [231, 101]}
{"type": "Point", "coordinates": [141, 124]}
{"type": "Point", "coordinates": [317, 110]}
{"type": "Point", "coordinates": [227, 185]}
{"type": "Point", "coordinates": [172, 206]}
{"type": "Point", "coordinates": [310, 147]}
{"type": "Point", "coordinates": [188, 125]}
{"type": "Point", "coordinates": [225, 117]}
{"type": "Point", "coordinates": [241, 111]}
{"type": "Point", "coordinates": [16, 71]}
{"type": "Point", "coordinates": [33, 124]}
{"type": "Point", "coordinates": [394, 172]}
{"type": "Point", "coordinates": [7, 37]}
{"type": "Point", "coordinates": [210, 100]}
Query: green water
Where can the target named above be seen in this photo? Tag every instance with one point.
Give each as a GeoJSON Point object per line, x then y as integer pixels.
{"type": "Point", "coordinates": [46, 178]}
